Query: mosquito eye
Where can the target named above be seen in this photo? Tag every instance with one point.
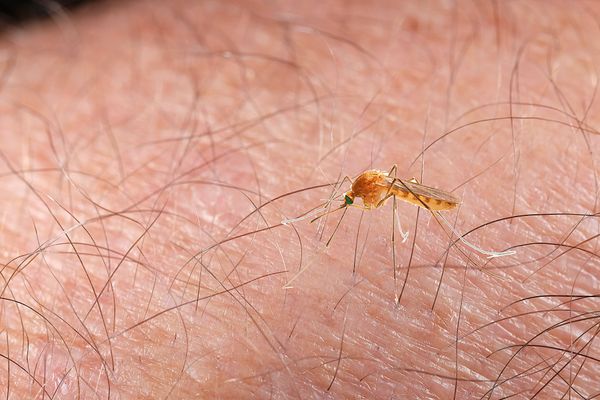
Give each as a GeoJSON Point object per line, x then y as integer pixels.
{"type": "Point", "coordinates": [348, 200]}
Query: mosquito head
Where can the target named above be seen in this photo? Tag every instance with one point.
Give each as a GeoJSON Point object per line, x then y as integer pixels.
{"type": "Point", "coordinates": [349, 198]}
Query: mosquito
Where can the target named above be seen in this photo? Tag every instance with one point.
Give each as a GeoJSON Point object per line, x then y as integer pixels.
{"type": "Point", "coordinates": [376, 187]}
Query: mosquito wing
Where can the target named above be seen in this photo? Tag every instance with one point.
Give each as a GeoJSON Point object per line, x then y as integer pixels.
{"type": "Point", "coordinates": [418, 190]}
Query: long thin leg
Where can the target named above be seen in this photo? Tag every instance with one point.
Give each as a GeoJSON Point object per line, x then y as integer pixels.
{"type": "Point", "coordinates": [346, 178]}
{"type": "Point", "coordinates": [491, 254]}
{"type": "Point", "coordinates": [403, 233]}
{"type": "Point", "coordinates": [354, 266]}
{"type": "Point", "coordinates": [388, 194]}
{"type": "Point", "coordinates": [394, 241]}
{"type": "Point", "coordinates": [396, 221]}
{"type": "Point", "coordinates": [412, 180]}
{"type": "Point", "coordinates": [336, 227]}
{"type": "Point", "coordinates": [412, 252]}
{"type": "Point", "coordinates": [392, 173]}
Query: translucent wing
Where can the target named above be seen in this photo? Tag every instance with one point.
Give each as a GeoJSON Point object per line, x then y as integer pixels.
{"type": "Point", "coordinates": [417, 189]}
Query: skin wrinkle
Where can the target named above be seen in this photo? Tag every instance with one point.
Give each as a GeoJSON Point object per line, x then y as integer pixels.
{"type": "Point", "coordinates": [163, 126]}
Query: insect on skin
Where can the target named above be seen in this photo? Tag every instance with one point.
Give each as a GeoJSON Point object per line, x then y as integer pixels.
{"type": "Point", "coordinates": [375, 187]}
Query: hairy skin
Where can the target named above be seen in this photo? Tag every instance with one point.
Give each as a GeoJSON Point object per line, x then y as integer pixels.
{"type": "Point", "coordinates": [140, 139]}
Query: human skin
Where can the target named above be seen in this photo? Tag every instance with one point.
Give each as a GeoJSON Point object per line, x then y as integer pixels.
{"type": "Point", "coordinates": [150, 151]}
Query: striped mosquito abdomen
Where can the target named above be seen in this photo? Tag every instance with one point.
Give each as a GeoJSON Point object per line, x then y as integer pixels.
{"type": "Point", "coordinates": [427, 202]}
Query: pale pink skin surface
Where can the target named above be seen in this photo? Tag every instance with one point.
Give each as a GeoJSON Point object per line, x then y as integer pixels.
{"type": "Point", "coordinates": [142, 122]}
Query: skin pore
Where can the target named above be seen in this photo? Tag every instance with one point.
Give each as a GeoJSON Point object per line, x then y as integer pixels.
{"type": "Point", "coordinates": [151, 149]}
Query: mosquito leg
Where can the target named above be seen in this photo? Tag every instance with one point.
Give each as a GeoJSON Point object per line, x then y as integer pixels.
{"type": "Point", "coordinates": [336, 227]}
{"type": "Point", "coordinates": [395, 220]}
{"type": "Point", "coordinates": [356, 260]}
{"type": "Point", "coordinates": [403, 233]}
{"type": "Point", "coordinates": [337, 186]}
{"type": "Point", "coordinates": [344, 179]}
{"type": "Point", "coordinates": [491, 254]}
{"type": "Point", "coordinates": [387, 196]}
{"type": "Point", "coordinates": [394, 241]}
{"type": "Point", "coordinates": [391, 173]}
